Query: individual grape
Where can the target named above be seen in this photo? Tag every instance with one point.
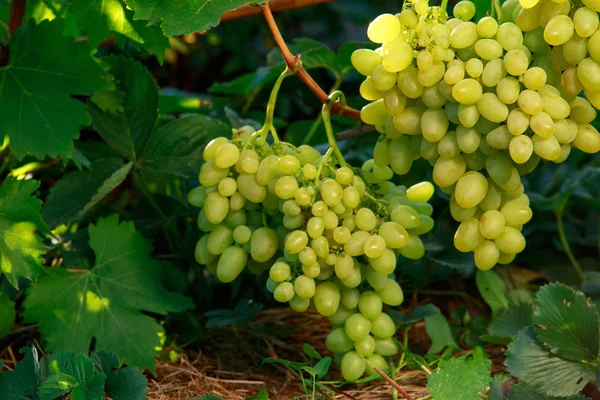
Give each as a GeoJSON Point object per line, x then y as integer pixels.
{"type": "Point", "coordinates": [216, 207]}
{"type": "Point", "coordinates": [384, 264]}
{"type": "Point", "coordinates": [474, 67]}
{"type": "Point", "coordinates": [515, 62]}
{"type": "Point", "coordinates": [286, 187]}
{"type": "Point", "coordinates": [556, 107]}
{"type": "Point", "coordinates": [587, 72]}
{"type": "Point", "coordinates": [468, 139]}
{"type": "Point", "coordinates": [374, 246]}
{"type": "Point", "coordinates": [471, 189]}
{"type": "Point", "coordinates": [201, 253]}
{"type": "Point", "coordinates": [397, 55]}
{"type": "Point", "coordinates": [365, 219]}
{"type": "Point", "coordinates": [357, 327]}
{"type": "Point", "coordinates": [414, 249]}
{"type": "Point", "coordinates": [231, 264]}
{"type": "Point", "coordinates": [370, 304]}
{"type": "Point", "coordinates": [220, 237]}
{"type": "Point", "coordinates": [420, 192]}
{"type": "Point", "coordinates": [509, 36]}
{"type": "Point", "coordinates": [365, 61]}
{"type": "Point", "coordinates": [492, 224]}
{"type": "Point", "coordinates": [585, 21]}
{"type": "Point", "coordinates": [374, 113]}
{"type": "Point", "coordinates": [211, 148]}
{"type": "Point", "coordinates": [434, 124]}
{"type": "Point", "coordinates": [510, 241]}
{"type": "Point", "coordinates": [338, 342]}
{"type": "Point", "coordinates": [227, 155]}
{"type": "Point", "coordinates": [331, 192]}
{"type": "Point", "coordinates": [531, 102]}
{"type": "Point", "coordinates": [242, 234]}
{"type": "Point", "coordinates": [326, 298]}
{"type": "Point", "coordinates": [547, 148]}
{"type": "Point", "coordinates": [344, 265]}
{"type": "Point", "coordinates": [284, 292]}
{"type": "Point", "coordinates": [527, 19]}
{"type": "Point", "coordinates": [353, 366]}
{"type": "Point", "coordinates": [559, 30]}
{"type": "Point", "coordinates": [349, 298]}
{"type": "Point", "coordinates": [517, 122]}
{"type": "Point", "coordinates": [463, 35]}
{"type": "Point", "coordinates": [365, 347]}
{"type": "Point", "coordinates": [304, 287]}
{"type": "Point", "coordinates": [386, 347]}
{"type": "Point", "coordinates": [384, 28]}
{"type": "Point", "coordinates": [447, 171]}
{"type": "Point", "coordinates": [408, 82]}
{"type": "Point", "coordinates": [542, 124]}
{"type": "Point", "coordinates": [464, 10]}
{"type": "Point", "coordinates": [307, 256]}
{"type": "Point", "coordinates": [406, 216]}
{"type": "Point", "coordinates": [383, 326]}
{"type": "Point", "coordinates": [368, 91]}
{"type": "Point", "coordinates": [263, 244]}
{"type": "Point", "coordinates": [288, 164]}
{"type": "Point", "coordinates": [295, 242]}
{"type": "Point", "coordinates": [309, 171]}
{"type": "Point", "coordinates": [340, 316]}
{"type": "Point", "coordinates": [516, 214]}
{"type": "Point", "coordinates": [587, 139]}
{"type": "Point", "coordinates": [392, 294]}
{"type": "Point", "coordinates": [377, 280]}
{"type": "Point", "coordinates": [382, 79]}
{"type": "Point", "coordinates": [211, 175]}
{"type": "Point", "coordinates": [468, 236]}
{"type": "Point", "coordinates": [486, 255]}
{"type": "Point", "coordinates": [521, 149]}
{"type": "Point", "coordinates": [487, 27]}
{"type": "Point", "coordinates": [468, 91]}
{"type": "Point", "coordinates": [298, 304]}
{"type": "Point", "coordinates": [489, 49]}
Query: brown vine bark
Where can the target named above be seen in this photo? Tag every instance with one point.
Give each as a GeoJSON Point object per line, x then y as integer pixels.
{"type": "Point", "coordinates": [249, 10]}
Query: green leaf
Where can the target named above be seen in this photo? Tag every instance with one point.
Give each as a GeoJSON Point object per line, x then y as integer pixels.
{"type": "Point", "coordinates": [534, 365]}
{"type": "Point", "coordinates": [98, 19]}
{"type": "Point", "coordinates": [322, 367]}
{"type": "Point", "coordinates": [64, 203]}
{"type": "Point", "coordinates": [21, 249]}
{"type": "Point", "coordinates": [109, 100]}
{"type": "Point", "coordinates": [492, 289]}
{"type": "Point", "coordinates": [419, 313]}
{"type": "Point", "coordinates": [184, 16]}
{"type": "Point", "coordinates": [310, 351]}
{"type": "Point", "coordinates": [439, 332]}
{"type": "Point", "coordinates": [510, 322]}
{"type": "Point", "coordinates": [290, 364]}
{"type": "Point", "coordinates": [74, 373]}
{"type": "Point", "coordinates": [125, 384]}
{"type": "Point", "coordinates": [262, 394]}
{"type": "Point", "coordinates": [106, 302]}
{"type": "Point", "coordinates": [522, 392]}
{"type": "Point", "coordinates": [243, 312]}
{"type": "Point", "coordinates": [461, 378]}
{"type": "Point", "coordinates": [313, 54]}
{"type": "Point", "coordinates": [208, 397]}
{"type": "Point", "coordinates": [7, 314]}
{"type": "Point", "coordinates": [127, 132]}
{"type": "Point", "coordinates": [566, 322]}
{"type": "Point", "coordinates": [44, 71]}
{"type": "Point", "coordinates": [22, 383]}
{"type": "Point", "coordinates": [175, 149]}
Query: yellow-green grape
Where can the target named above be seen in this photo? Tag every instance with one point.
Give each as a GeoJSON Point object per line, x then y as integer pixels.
{"type": "Point", "coordinates": [517, 122]}
{"type": "Point", "coordinates": [408, 122]}
{"type": "Point", "coordinates": [295, 242]}
{"type": "Point", "coordinates": [286, 187]}
{"type": "Point", "coordinates": [471, 189]}
{"type": "Point", "coordinates": [378, 281]}
{"type": "Point", "coordinates": [383, 326]}
{"type": "Point", "coordinates": [349, 298]}
{"type": "Point", "coordinates": [515, 62]}
{"type": "Point", "coordinates": [377, 361]}
{"type": "Point", "coordinates": [433, 75]}
{"type": "Point", "coordinates": [216, 207]}
{"type": "Point", "coordinates": [201, 253]}
{"type": "Point", "coordinates": [468, 236]}
{"type": "Point", "coordinates": [464, 10]}
{"type": "Point", "coordinates": [397, 55]}
{"type": "Point", "coordinates": [408, 18]}
{"type": "Point", "coordinates": [352, 366]}
{"type": "Point", "coordinates": [491, 108]}
{"type": "Point", "coordinates": [500, 137]}
{"type": "Point", "coordinates": [386, 347]}
{"type": "Point", "coordinates": [374, 246]}
{"type": "Point", "coordinates": [284, 292]}
{"type": "Point", "coordinates": [235, 218]}
{"type": "Point", "coordinates": [263, 244]}
{"type": "Point", "coordinates": [299, 304]}
{"type": "Point", "coordinates": [267, 170]}
{"type": "Point", "coordinates": [427, 224]}
{"type": "Point", "coordinates": [312, 271]}
{"type": "Point", "coordinates": [366, 219]}
{"type": "Point", "coordinates": [231, 264]}
{"type": "Point", "coordinates": [384, 28]}
{"type": "Point", "coordinates": [309, 171]}
{"type": "Point", "coordinates": [531, 102]}
{"type": "Point", "coordinates": [242, 234]}
{"type": "Point", "coordinates": [219, 239]}
{"type": "Point", "coordinates": [434, 124]}
{"type": "Point", "coordinates": [474, 67]}
{"type": "Point", "coordinates": [414, 249]}
{"type": "Point", "coordinates": [565, 131]}
{"type": "Point", "coordinates": [487, 27]}
{"type": "Point", "coordinates": [587, 139]}
{"type": "Point", "coordinates": [382, 79]}
{"type": "Point", "coordinates": [468, 115]}
{"type": "Point", "coordinates": [227, 155]}
{"type": "Point", "coordinates": [382, 174]}
{"type": "Point", "coordinates": [354, 279]}
{"type": "Point", "coordinates": [340, 316]}
{"type": "Point", "coordinates": [582, 111]}
{"type": "Point", "coordinates": [321, 246]}
{"type": "Point", "coordinates": [338, 342]}
{"type": "Point", "coordinates": [406, 216]}
{"type": "Point", "coordinates": [365, 61]}
{"type": "Point", "coordinates": [227, 187]}
{"type": "Point", "coordinates": [527, 19]}
{"type": "Point", "coordinates": [344, 175]}
{"type": "Point", "coordinates": [509, 36]}
{"type": "Point", "coordinates": [587, 72]}
{"type": "Point", "coordinates": [368, 91]}
{"type": "Point", "coordinates": [468, 139]}
{"type": "Point", "coordinates": [289, 165]}
{"type": "Point", "coordinates": [315, 227]}
{"type": "Point", "coordinates": [394, 101]}
{"type": "Point", "coordinates": [331, 192]}
{"type": "Point", "coordinates": [307, 256]}
{"type": "Point", "coordinates": [454, 74]}
{"type": "Point", "coordinates": [542, 124]}
{"type": "Point", "coordinates": [491, 224]}
{"type": "Point", "coordinates": [197, 196]}
{"type": "Point", "coordinates": [516, 214]}
{"type": "Point", "coordinates": [343, 266]}
{"type": "Point", "coordinates": [468, 91]}
{"type": "Point", "coordinates": [521, 149]}
{"type": "Point", "coordinates": [463, 35]}
{"type": "Point", "coordinates": [211, 148]}
{"type": "Point", "coordinates": [558, 30]}
{"type": "Point", "coordinates": [326, 298]}
{"type": "Point", "coordinates": [557, 107]}
{"type": "Point", "coordinates": [384, 264]}
{"type": "Point", "coordinates": [304, 287]}
{"type": "Point", "coordinates": [420, 192]}
{"type": "Point", "coordinates": [488, 49]}
{"type": "Point", "coordinates": [575, 50]}
{"type": "Point", "coordinates": [319, 208]}
{"type": "Point", "coordinates": [351, 197]}
{"type": "Point", "coordinates": [510, 241]}
{"type": "Point", "coordinates": [547, 148]}
{"type": "Point", "coordinates": [374, 113]}
{"type": "Point", "coordinates": [459, 213]}
{"type": "Point", "coordinates": [370, 304]}
{"type": "Point", "coordinates": [424, 61]}
{"type": "Point", "coordinates": [291, 208]}
{"type": "Point", "coordinates": [341, 235]}
{"type": "Point", "coordinates": [528, 3]}
{"type": "Point", "coordinates": [408, 82]}
{"type": "Point", "coordinates": [447, 171]}
{"type": "Point", "coordinates": [486, 255]}
{"type": "Point", "coordinates": [211, 175]}
{"type": "Point", "coordinates": [357, 326]}
{"type": "Point", "coordinates": [594, 47]}
{"type": "Point", "coordinates": [330, 220]}
{"type": "Point", "coordinates": [585, 21]}
{"type": "Point", "coordinates": [280, 272]}
{"type": "Point", "coordinates": [391, 294]}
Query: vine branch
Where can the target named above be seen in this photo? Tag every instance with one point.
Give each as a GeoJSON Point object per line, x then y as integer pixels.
{"type": "Point", "coordinates": [249, 10]}
{"type": "Point", "coordinates": [292, 62]}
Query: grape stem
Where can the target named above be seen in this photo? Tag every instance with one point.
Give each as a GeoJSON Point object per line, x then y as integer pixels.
{"type": "Point", "coordinates": [292, 62]}
{"type": "Point", "coordinates": [443, 13]}
{"type": "Point", "coordinates": [563, 239]}
{"type": "Point", "coordinates": [326, 113]}
{"type": "Point", "coordinates": [268, 125]}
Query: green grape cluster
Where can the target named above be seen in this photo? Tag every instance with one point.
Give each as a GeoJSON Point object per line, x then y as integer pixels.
{"type": "Point", "coordinates": [483, 102]}
{"type": "Point", "coordinates": [328, 235]}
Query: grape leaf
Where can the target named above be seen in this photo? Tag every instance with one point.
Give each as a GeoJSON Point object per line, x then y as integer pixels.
{"type": "Point", "coordinates": [566, 322]}
{"type": "Point", "coordinates": [439, 332]}
{"type": "Point", "coordinates": [522, 392]}
{"type": "Point", "coordinates": [93, 185]}
{"type": "Point", "coordinates": [20, 247]}
{"type": "Point", "coordinates": [534, 365]}
{"type": "Point", "coordinates": [45, 69]}
{"type": "Point", "coordinates": [105, 303]}
{"type": "Point", "coordinates": [185, 16]}
{"type": "Point", "coordinates": [511, 321]}
{"type": "Point", "coordinates": [22, 382]}
{"type": "Point", "coordinates": [492, 289]}
{"type": "Point", "coordinates": [72, 373]}
{"type": "Point", "coordinates": [7, 314]}
{"type": "Point", "coordinates": [124, 384]}
{"type": "Point", "coordinates": [461, 378]}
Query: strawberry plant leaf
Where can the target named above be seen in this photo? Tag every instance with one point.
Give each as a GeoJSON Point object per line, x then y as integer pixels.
{"type": "Point", "coordinates": [310, 351]}
{"type": "Point", "coordinates": [535, 366]}
{"type": "Point", "coordinates": [7, 314]}
{"type": "Point", "coordinates": [22, 382]}
{"type": "Point", "coordinates": [92, 185]}
{"type": "Point", "coordinates": [45, 69]}
{"type": "Point", "coordinates": [566, 322]}
{"type": "Point", "coordinates": [522, 392]}
{"type": "Point", "coordinates": [461, 378]}
{"type": "Point", "coordinates": [106, 302]}
{"type": "Point", "coordinates": [20, 247]}
{"type": "Point", "coordinates": [262, 394]}
{"type": "Point", "coordinates": [124, 384]}
{"type": "Point", "coordinates": [71, 373]}
{"type": "Point", "coordinates": [185, 16]}
{"type": "Point", "coordinates": [492, 289]}
{"type": "Point", "coordinates": [510, 322]}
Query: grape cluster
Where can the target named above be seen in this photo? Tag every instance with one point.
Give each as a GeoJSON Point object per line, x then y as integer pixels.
{"type": "Point", "coordinates": [328, 235]}
{"type": "Point", "coordinates": [483, 103]}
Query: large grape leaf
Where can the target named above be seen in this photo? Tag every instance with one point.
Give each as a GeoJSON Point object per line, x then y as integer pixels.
{"type": "Point", "coordinates": [106, 302]}
{"type": "Point", "coordinates": [529, 361]}
{"type": "Point", "coordinates": [173, 150]}
{"type": "Point", "coordinates": [45, 69]}
{"type": "Point", "coordinates": [566, 322]}
{"type": "Point", "coordinates": [20, 247]}
{"type": "Point", "coordinates": [92, 185]}
{"type": "Point", "coordinates": [462, 378]}
{"type": "Point", "coordinates": [185, 16]}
